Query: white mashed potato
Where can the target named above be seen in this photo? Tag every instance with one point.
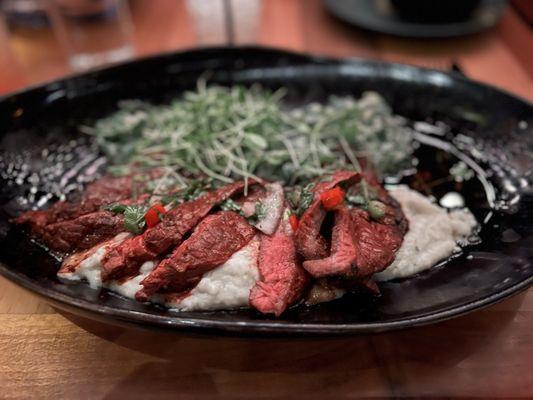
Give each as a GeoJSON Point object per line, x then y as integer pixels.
{"type": "Point", "coordinates": [433, 234]}
{"type": "Point", "coordinates": [90, 267]}
{"type": "Point", "coordinates": [131, 286]}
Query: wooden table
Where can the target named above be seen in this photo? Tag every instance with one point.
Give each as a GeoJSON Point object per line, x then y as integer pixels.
{"type": "Point", "coordinates": [486, 354]}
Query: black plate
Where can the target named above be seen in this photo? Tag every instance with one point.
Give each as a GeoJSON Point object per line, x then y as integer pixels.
{"type": "Point", "coordinates": [380, 16]}
{"type": "Point", "coordinates": [490, 127]}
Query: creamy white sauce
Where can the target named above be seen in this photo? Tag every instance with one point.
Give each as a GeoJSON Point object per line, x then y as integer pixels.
{"type": "Point", "coordinates": [227, 286]}
{"type": "Point", "coordinates": [433, 234]}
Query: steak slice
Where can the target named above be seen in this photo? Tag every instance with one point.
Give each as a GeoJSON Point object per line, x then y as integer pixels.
{"type": "Point", "coordinates": [343, 249]}
{"type": "Point", "coordinates": [282, 279]}
{"type": "Point", "coordinates": [360, 246]}
{"type": "Point", "coordinates": [310, 243]}
{"type": "Point", "coordinates": [103, 191]}
{"type": "Point", "coordinates": [376, 243]}
{"type": "Point", "coordinates": [125, 260]}
{"type": "Point", "coordinates": [73, 261]}
{"type": "Point", "coordinates": [83, 232]}
{"type": "Point", "coordinates": [211, 244]}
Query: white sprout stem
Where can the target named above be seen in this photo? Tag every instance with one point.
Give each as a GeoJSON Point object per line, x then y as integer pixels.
{"type": "Point", "coordinates": [202, 167]}
{"type": "Point", "coordinates": [292, 152]}
{"type": "Point", "coordinates": [353, 159]}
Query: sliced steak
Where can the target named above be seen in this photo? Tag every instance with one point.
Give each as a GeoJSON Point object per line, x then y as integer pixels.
{"type": "Point", "coordinates": [103, 191]}
{"type": "Point", "coordinates": [211, 244]}
{"type": "Point", "coordinates": [125, 260]}
{"type": "Point", "coordinates": [361, 246]}
{"type": "Point", "coordinates": [83, 232]}
{"type": "Point", "coordinates": [282, 279]}
{"type": "Point", "coordinates": [376, 243]}
{"type": "Point", "coordinates": [343, 249]}
{"type": "Point", "coordinates": [73, 261]}
{"type": "Point", "coordinates": [310, 243]}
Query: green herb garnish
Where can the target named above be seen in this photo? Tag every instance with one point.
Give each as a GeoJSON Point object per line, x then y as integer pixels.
{"type": "Point", "coordinates": [230, 205]}
{"type": "Point", "coordinates": [133, 215]}
{"type": "Point", "coordinates": [241, 133]}
{"type": "Point", "coordinates": [259, 214]}
{"type": "Point", "coordinates": [306, 198]}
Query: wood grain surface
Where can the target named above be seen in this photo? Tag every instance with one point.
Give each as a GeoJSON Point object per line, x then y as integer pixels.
{"type": "Point", "coordinates": [487, 354]}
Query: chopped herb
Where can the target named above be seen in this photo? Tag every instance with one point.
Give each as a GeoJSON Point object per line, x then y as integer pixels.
{"type": "Point", "coordinates": [230, 205]}
{"type": "Point", "coordinates": [133, 215]}
{"type": "Point", "coordinates": [116, 208]}
{"type": "Point", "coordinates": [195, 189]}
{"type": "Point", "coordinates": [293, 198]}
{"type": "Point", "coordinates": [259, 214]}
{"type": "Point", "coordinates": [134, 218]}
{"type": "Point", "coordinates": [194, 194]}
{"type": "Point", "coordinates": [171, 199]}
{"type": "Point", "coordinates": [306, 198]}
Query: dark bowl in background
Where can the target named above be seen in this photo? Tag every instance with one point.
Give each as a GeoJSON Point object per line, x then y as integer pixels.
{"type": "Point", "coordinates": [435, 11]}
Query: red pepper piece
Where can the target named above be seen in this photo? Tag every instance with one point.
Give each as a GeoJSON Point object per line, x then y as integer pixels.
{"type": "Point", "coordinates": [153, 215]}
{"type": "Point", "coordinates": [293, 221]}
{"type": "Point", "coordinates": [332, 198]}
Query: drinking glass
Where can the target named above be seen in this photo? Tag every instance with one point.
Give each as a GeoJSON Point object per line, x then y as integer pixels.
{"type": "Point", "coordinates": [30, 41]}
{"type": "Point", "coordinates": [93, 32]}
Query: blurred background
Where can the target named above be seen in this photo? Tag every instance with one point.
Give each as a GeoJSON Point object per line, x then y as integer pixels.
{"type": "Point", "coordinates": [487, 40]}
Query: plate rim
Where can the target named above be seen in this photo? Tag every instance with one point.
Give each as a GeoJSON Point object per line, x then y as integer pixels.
{"type": "Point", "coordinates": [275, 327]}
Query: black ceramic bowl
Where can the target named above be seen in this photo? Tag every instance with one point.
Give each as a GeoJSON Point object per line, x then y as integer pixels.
{"type": "Point", "coordinates": [489, 128]}
{"type": "Point", "coordinates": [435, 12]}
{"type": "Point", "coordinates": [419, 18]}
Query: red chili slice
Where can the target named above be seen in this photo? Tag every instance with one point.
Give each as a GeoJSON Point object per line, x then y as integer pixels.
{"type": "Point", "coordinates": [332, 198]}
{"type": "Point", "coordinates": [153, 215]}
{"type": "Point", "coordinates": [293, 221]}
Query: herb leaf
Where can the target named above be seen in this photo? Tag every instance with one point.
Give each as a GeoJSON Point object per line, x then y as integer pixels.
{"type": "Point", "coordinates": [133, 215]}
{"type": "Point", "coordinates": [306, 198]}
{"type": "Point", "coordinates": [116, 208]}
{"type": "Point", "coordinates": [230, 205]}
